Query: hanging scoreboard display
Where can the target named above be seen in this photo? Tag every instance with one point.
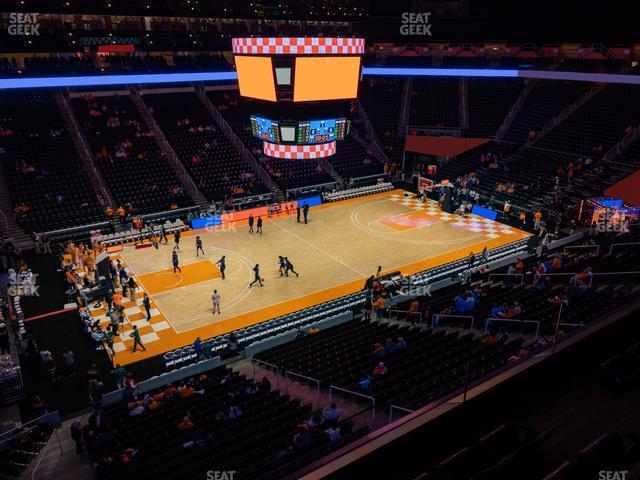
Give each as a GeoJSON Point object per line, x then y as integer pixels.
{"type": "Point", "coordinates": [321, 131]}
{"type": "Point", "coordinates": [265, 129]}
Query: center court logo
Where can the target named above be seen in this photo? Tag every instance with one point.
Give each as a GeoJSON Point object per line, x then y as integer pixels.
{"type": "Point", "coordinates": [23, 24]}
{"type": "Point", "coordinates": [415, 24]}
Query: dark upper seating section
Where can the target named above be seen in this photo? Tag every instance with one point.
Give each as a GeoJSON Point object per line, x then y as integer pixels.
{"type": "Point", "coordinates": [434, 102]}
{"type": "Point", "coordinates": [544, 102]}
{"type": "Point", "coordinates": [599, 124]}
{"type": "Point", "coordinates": [214, 164]}
{"type": "Point", "coordinates": [128, 156]}
{"type": "Point", "coordinates": [381, 98]}
{"type": "Point", "coordinates": [43, 172]}
{"type": "Point", "coordinates": [490, 100]}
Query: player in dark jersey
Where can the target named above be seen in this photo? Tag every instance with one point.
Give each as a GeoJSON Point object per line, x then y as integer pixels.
{"type": "Point", "coordinates": [222, 265]}
{"type": "Point", "coordinates": [175, 261]}
{"type": "Point", "coordinates": [289, 267]}
{"type": "Point", "coordinates": [257, 279]}
{"type": "Point", "coordinates": [199, 246]}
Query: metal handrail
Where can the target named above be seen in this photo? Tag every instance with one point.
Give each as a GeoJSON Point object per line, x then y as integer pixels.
{"type": "Point", "coordinates": [521, 275]}
{"type": "Point", "coordinates": [584, 246]}
{"type": "Point", "coordinates": [621, 244]}
{"type": "Point", "coordinates": [514, 320]}
{"type": "Point", "coordinates": [441, 315]}
{"type": "Point", "coordinates": [257, 360]}
{"type": "Point", "coordinates": [369, 397]}
{"type": "Point", "coordinates": [311, 379]}
{"type": "Point", "coordinates": [409, 313]}
{"type": "Point", "coordinates": [396, 407]}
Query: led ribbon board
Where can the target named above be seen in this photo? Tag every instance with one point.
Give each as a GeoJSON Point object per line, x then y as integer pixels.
{"type": "Point", "coordinates": [295, 152]}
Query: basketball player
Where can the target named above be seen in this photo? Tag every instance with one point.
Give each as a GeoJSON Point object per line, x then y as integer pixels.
{"type": "Point", "coordinates": [289, 267]}
{"type": "Point", "coordinates": [282, 265]}
{"type": "Point", "coordinates": [256, 271]}
{"type": "Point", "coordinates": [305, 211]}
{"type": "Point", "coordinates": [176, 238]}
{"type": "Point", "coordinates": [199, 246]}
{"type": "Point", "coordinates": [215, 298]}
{"type": "Point", "coordinates": [175, 261]}
{"type": "Point", "coordinates": [163, 234]}
{"type": "Point", "coordinates": [222, 265]}
{"type": "Point", "coordinates": [259, 226]}
{"type": "Point", "coordinates": [250, 223]}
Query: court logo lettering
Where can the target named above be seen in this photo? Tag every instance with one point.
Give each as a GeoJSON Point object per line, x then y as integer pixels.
{"type": "Point", "coordinates": [23, 24]}
{"type": "Point", "coordinates": [415, 24]}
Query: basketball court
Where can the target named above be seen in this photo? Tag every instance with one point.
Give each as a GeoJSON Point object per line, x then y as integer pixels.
{"type": "Point", "coordinates": [340, 247]}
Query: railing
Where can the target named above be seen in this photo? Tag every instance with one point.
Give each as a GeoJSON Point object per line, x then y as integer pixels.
{"type": "Point", "coordinates": [6, 222]}
{"type": "Point", "coordinates": [310, 379]}
{"type": "Point", "coordinates": [277, 369]}
{"type": "Point", "coordinates": [620, 245]}
{"type": "Point", "coordinates": [83, 150]}
{"type": "Point", "coordinates": [396, 407]}
{"type": "Point", "coordinates": [409, 314]}
{"type": "Point", "coordinates": [512, 320]}
{"type": "Point", "coordinates": [521, 275]}
{"type": "Point", "coordinates": [515, 109]}
{"type": "Point", "coordinates": [234, 139]}
{"type": "Point", "coordinates": [375, 140]}
{"type": "Point", "coordinates": [317, 187]}
{"type": "Point", "coordinates": [572, 247]}
{"type": "Point", "coordinates": [164, 144]}
{"type": "Point", "coordinates": [564, 114]}
{"type": "Point", "coordinates": [358, 394]}
{"type": "Point", "coordinates": [435, 319]}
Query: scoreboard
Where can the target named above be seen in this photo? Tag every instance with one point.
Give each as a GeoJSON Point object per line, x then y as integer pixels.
{"type": "Point", "coordinates": [301, 133]}
{"type": "Point", "coordinates": [265, 129]}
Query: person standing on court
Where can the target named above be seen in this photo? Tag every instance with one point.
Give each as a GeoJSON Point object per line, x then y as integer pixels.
{"type": "Point", "coordinates": [176, 238]}
{"type": "Point", "coordinates": [259, 226]}
{"type": "Point", "coordinates": [133, 286]}
{"type": "Point", "coordinates": [250, 223]}
{"type": "Point", "coordinates": [175, 261]}
{"type": "Point", "coordinates": [136, 339]}
{"type": "Point", "coordinates": [146, 303]}
{"type": "Point", "coordinates": [298, 211]}
{"type": "Point", "coordinates": [305, 211]}
{"type": "Point", "coordinates": [215, 299]}
{"type": "Point", "coordinates": [199, 246]}
{"type": "Point", "coordinates": [282, 265]}
{"type": "Point", "coordinates": [257, 279]}
{"type": "Point", "coordinates": [222, 265]}
{"type": "Point", "coordinates": [163, 234]}
{"type": "Point", "coordinates": [289, 267]}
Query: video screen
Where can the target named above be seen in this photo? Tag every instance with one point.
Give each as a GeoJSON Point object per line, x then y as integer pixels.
{"type": "Point", "coordinates": [255, 77]}
{"type": "Point", "coordinates": [326, 78]}
{"type": "Point", "coordinates": [265, 129]}
{"type": "Point", "coordinates": [322, 131]}
{"type": "Point", "coordinates": [288, 134]}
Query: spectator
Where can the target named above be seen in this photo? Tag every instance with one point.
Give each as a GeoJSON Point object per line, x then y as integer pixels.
{"type": "Point", "coordinates": [380, 370]}
{"type": "Point", "coordinates": [69, 361]}
{"type": "Point", "coordinates": [185, 424]}
{"type": "Point", "coordinates": [119, 375]}
{"type": "Point", "coordinates": [331, 413]}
